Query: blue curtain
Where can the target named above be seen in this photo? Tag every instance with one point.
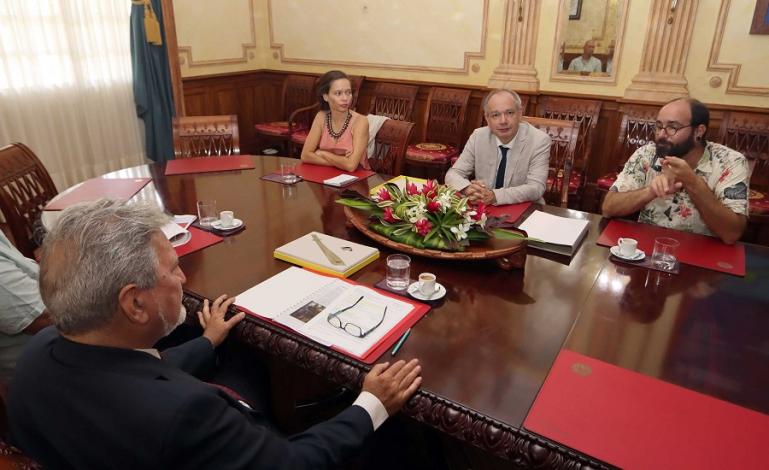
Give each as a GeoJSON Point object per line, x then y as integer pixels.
{"type": "Point", "coordinates": [152, 85]}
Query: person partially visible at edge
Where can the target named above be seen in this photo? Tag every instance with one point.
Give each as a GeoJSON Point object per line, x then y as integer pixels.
{"type": "Point", "coordinates": [508, 159]}
{"type": "Point", "coordinates": [681, 180]}
{"type": "Point", "coordinates": [22, 313]}
{"type": "Point", "coordinates": [586, 62]}
{"type": "Point", "coordinates": [92, 392]}
{"type": "Point", "coordinates": [338, 136]}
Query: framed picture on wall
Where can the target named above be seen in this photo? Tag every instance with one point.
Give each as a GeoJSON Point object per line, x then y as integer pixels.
{"type": "Point", "coordinates": [575, 9]}
{"type": "Point", "coordinates": [760, 23]}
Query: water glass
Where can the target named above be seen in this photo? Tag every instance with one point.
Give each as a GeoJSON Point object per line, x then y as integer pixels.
{"type": "Point", "coordinates": [207, 214]}
{"type": "Point", "coordinates": [398, 271]}
{"type": "Point", "coordinates": [288, 172]}
{"type": "Point", "coordinates": [664, 254]}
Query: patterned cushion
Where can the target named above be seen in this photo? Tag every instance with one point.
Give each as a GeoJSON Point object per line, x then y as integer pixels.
{"type": "Point", "coordinates": [454, 159]}
{"type": "Point", "coordinates": [278, 128]}
{"type": "Point", "coordinates": [606, 181]}
{"type": "Point", "coordinates": [300, 136]}
{"type": "Point", "coordinates": [759, 202]}
{"type": "Point", "coordinates": [574, 182]}
{"type": "Point", "coordinates": [431, 152]}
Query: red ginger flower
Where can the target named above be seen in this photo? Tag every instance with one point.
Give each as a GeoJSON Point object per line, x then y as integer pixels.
{"type": "Point", "coordinates": [384, 195]}
{"type": "Point", "coordinates": [433, 206]}
{"type": "Point", "coordinates": [389, 216]}
{"type": "Point", "coordinates": [411, 189]}
{"type": "Point", "coordinates": [423, 226]}
{"type": "Point", "coordinates": [429, 188]}
{"type": "Point", "coordinates": [480, 209]}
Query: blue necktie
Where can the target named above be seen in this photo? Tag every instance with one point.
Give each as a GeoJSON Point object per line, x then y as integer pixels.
{"type": "Point", "coordinates": [501, 170]}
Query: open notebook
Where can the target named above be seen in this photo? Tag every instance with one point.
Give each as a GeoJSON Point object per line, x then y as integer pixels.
{"type": "Point", "coordinates": [303, 301]}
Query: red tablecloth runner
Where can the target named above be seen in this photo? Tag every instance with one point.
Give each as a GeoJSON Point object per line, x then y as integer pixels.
{"type": "Point", "coordinates": [319, 173]}
{"type": "Point", "coordinates": [512, 211]}
{"type": "Point", "coordinates": [200, 239]}
{"type": "Point", "coordinates": [634, 421]}
{"type": "Point", "coordinates": [96, 188]}
{"type": "Point", "coordinates": [209, 164]}
{"type": "Point", "coordinates": [697, 250]}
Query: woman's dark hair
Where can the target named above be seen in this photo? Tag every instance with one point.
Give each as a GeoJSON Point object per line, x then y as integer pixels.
{"type": "Point", "coordinates": [324, 85]}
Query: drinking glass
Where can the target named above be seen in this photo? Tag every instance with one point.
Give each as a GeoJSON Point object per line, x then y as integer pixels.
{"type": "Point", "coordinates": [207, 213]}
{"type": "Point", "coordinates": [664, 254]}
{"type": "Point", "coordinates": [398, 271]}
{"type": "Point", "coordinates": [288, 172]}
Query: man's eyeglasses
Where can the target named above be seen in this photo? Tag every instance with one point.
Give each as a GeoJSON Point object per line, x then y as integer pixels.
{"type": "Point", "coordinates": [670, 129]}
{"type": "Point", "coordinates": [496, 115]}
{"type": "Point", "coordinates": [352, 328]}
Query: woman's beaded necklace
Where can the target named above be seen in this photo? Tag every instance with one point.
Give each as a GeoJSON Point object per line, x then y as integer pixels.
{"type": "Point", "coordinates": [337, 135]}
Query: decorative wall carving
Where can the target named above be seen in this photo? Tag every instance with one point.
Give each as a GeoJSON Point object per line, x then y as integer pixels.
{"type": "Point", "coordinates": [519, 43]}
{"type": "Point", "coordinates": [732, 85]}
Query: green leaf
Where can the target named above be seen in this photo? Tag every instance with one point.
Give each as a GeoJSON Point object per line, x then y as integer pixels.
{"type": "Point", "coordinates": [365, 204]}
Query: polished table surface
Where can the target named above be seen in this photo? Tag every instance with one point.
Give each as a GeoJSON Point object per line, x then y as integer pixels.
{"type": "Point", "coordinates": [489, 345]}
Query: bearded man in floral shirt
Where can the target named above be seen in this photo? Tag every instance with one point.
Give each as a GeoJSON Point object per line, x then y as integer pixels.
{"type": "Point", "coordinates": [682, 181]}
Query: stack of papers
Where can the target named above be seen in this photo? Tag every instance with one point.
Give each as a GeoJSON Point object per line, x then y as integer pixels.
{"type": "Point", "coordinates": [341, 180]}
{"type": "Point", "coordinates": [553, 233]}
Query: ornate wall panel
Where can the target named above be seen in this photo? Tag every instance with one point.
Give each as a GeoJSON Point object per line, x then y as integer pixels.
{"type": "Point", "coordinates": [209, 34]}
{"type": "Point", "coordinates": [734, 51]}
{"type": "Point", "coordinates": [429, 35]}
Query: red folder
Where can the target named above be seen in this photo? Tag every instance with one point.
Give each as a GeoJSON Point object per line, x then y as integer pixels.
{"type": "Point", "coordinates": [319, 173]}
{"type": "Point", "coordinates": [418, 310]}
{"type": "Point", "coordinates": [634, 421]}
{"type": "Point", "coordinates": [695, 249]}
{"type": "Point", "coordinates": [200, 239]}
{"type": "Point", "coordinates": [209, 164]}
{"type": "Point", "coordinates": [512, 211]}
{"type": "Point", "coordinates": [93, 189]}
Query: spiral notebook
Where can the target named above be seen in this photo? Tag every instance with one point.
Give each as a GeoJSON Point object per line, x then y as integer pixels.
{"type": "Point", "coordinates": [333, 311]}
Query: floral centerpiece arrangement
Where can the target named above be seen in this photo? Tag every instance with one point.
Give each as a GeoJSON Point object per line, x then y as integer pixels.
{"type": "Point", "coordinates": [433, 216]}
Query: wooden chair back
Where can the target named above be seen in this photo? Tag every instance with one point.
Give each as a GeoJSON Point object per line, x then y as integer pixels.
{"type": "Point", "coordinates": [205, 136]}
{"type": "Point", "coordinates": [390, 146]}
{"type": "Point", "coordinates": [564, 136]}
{"type": "Point", "coordinates": [748, 133]}
{"type": "Point", "coordinates": [584, 112]}
{"type": "Point", "coordinates": [393, 100]}
{"type": "Point", "coordinates": [444, 121]}
{"type": "Point", "coordinates": [636, 130]}
{"type": "Point", "coordinates": [25, 189]}
{"type": "Point", "coordinates": [298, 92]}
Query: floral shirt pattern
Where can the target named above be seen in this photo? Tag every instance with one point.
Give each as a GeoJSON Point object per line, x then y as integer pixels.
{"type": "Point", "coordinates": [724, 170]}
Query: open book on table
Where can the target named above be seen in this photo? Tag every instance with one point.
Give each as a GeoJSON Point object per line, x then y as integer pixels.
{"type": "Point", "coordinates": [356, 320]}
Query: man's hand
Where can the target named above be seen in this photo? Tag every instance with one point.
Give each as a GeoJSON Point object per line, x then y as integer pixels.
{"type": "Point", "coordinates": [477, 191]}
{"type": "Point", "coordinates": [680, 171]}
{"type": "Point", "coordinates": [393, 384]}
{"type": "Point", "coordinates": [215, 327]}
{"type": "Point", "coordinates": [663, 185]}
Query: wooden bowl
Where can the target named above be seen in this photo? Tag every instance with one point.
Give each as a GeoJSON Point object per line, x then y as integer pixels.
{"type": "Point", "coordinates": [508, 254]}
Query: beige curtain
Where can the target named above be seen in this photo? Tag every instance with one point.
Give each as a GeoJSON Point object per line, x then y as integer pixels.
{"type": "Point", "coordinates": [65, 85]}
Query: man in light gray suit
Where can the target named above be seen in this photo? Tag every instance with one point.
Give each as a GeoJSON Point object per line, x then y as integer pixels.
{"type": "Point", "coordinates": [508, 158]}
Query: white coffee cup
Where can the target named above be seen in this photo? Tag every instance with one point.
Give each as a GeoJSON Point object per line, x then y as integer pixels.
{"type": "Point", "coordinates": [427, 283]}
{"type": "Point", "coordinates": [627, 246]}
{"type": "Point", "coordinates": [227, 218]}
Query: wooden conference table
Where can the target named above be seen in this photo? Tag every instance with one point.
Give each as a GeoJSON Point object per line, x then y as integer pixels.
{"type": "Point", "coordinates": [487, 348]}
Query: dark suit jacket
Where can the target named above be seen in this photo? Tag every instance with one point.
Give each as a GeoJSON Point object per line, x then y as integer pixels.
{"type": "Point", "coordinates": [78, 406]}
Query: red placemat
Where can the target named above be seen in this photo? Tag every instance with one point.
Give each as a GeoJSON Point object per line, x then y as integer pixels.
{"type": "Point", "coordinates": [320, 173]}
{"type": "Point", "coordinates": [209, 164]}
{"type": "Point", "coordinates": [199, 240]}
{"type": "Point", "coordinates": [512, 211]}
{"type": "Point", "coordinates": [695, 249]}
{"type": "Point", "coordinates": [96, 188]}
{"type": "Point", "coordinates": [634, 421]}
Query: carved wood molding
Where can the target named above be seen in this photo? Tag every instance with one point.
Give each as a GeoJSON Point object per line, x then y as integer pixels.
{"type": "Point", "coordinates": [468, 56]}
{"type": "Point", "coordinates": [522, 448]}
{"type": "Point", "coordinates": [185, 52]}
{"type": "Point", "coordinates": [732, 85]}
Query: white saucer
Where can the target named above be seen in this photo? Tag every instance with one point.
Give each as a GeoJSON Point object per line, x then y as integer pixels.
{"type": "Point", "coordinates": [638, 256]}
{"type": "Point", "coordinates": [217, 224]}
{"type": "Point", "coordinates": [414, 291]}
